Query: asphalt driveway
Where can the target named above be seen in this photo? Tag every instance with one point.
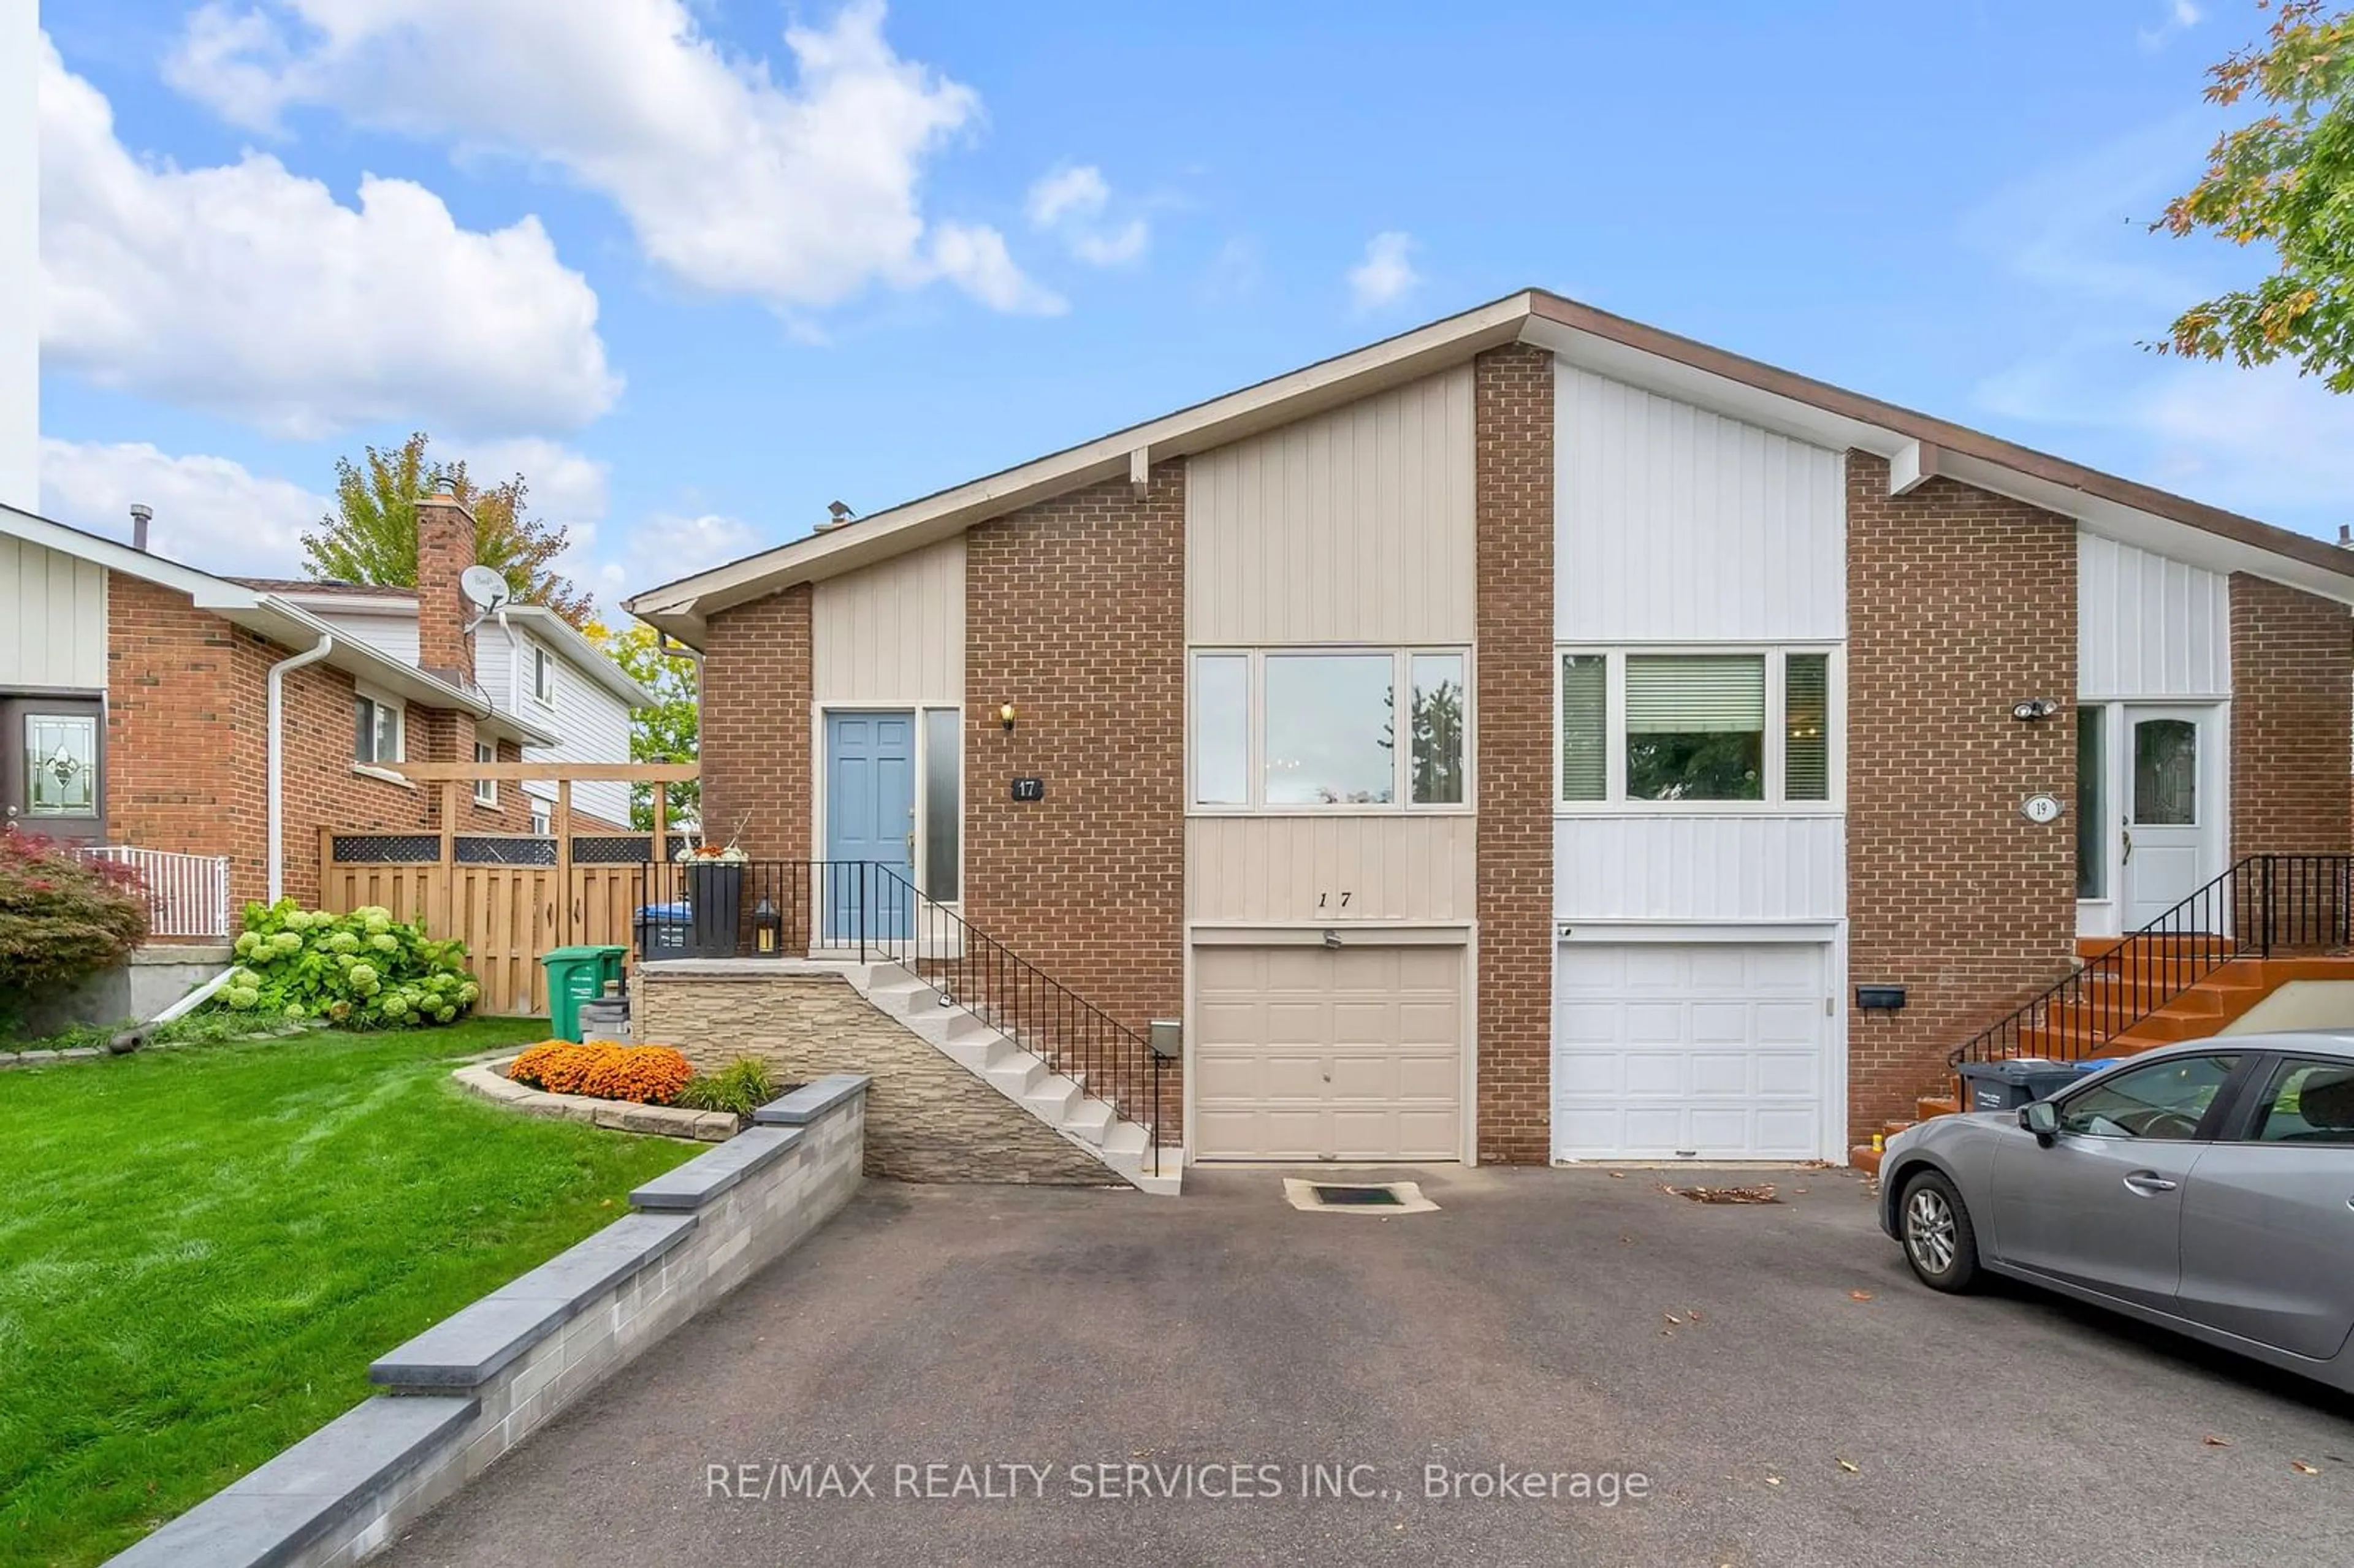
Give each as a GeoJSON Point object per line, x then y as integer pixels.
{"type": "Point", "coordinates": [1080, 1351]}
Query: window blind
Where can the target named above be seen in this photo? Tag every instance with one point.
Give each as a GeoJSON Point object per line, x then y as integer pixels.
{"type": "Point", "coordinates": [1695, 694]}
{"type": "Point", "coordinates": [1585, 727]}
{"type": "Point", "coordinates": [1807, 754]}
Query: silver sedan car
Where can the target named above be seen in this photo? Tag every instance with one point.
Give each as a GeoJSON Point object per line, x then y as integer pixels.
{"type": "Point", "coordinates": [2206, 1187]}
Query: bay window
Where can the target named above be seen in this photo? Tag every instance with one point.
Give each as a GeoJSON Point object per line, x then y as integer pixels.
{"type": "Point", "coordinates": [1721, 727]}
{"type": "Point", "coordinates": [1315, 729]}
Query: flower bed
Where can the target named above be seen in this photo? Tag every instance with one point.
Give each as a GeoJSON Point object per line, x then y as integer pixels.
{"type": "Point", "coordinates": [644, 1075]}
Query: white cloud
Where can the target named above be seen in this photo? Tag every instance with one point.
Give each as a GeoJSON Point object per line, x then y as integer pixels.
{"type": "Point", "coordinates": [669, 545]}
{"type": "Point", "coordinates": [1070, 202]}
{"type": "Point", "coordinates": [801, 193]}
{"type": "Point", "coordinates": [1386, 275]}
{"type": "Point", "coordinates": [246, 290]}
{"type": "Point", "coordinates": [2179, 16]}
{"type": "Point", "coordinates": [210, 512]}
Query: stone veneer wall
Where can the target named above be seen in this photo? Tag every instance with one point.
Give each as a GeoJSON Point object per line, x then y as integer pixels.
{"type": "Point", "coordinates": [927, 1119]}
{"type": "Point", "coordinates": [485, 1378]}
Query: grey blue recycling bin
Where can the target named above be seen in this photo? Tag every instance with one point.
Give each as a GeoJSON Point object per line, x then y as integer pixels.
{"type": "Point", "coordinates": [2009, 1085]}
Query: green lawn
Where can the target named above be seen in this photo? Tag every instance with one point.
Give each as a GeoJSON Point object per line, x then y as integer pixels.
{"type": "Point", "coordinates": [202, 1249]}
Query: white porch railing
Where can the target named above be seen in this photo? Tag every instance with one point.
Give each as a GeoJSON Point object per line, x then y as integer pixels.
{"type": "Point", "coordinates": [187, 894]}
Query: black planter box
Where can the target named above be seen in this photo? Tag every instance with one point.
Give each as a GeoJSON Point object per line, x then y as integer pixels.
{"type": "Point", "coordinates": [715, 890]}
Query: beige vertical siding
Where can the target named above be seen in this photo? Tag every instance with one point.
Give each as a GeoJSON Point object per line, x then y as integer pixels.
{"type": "Point", "coordinates": [2148, 626]}
{"type": "Point", "coordinates": [1352, 526]}
{"type": "Point", "coordinates": [893, 632]}
{"type": "Point", "coordinates": [1254, 870]}
{"type": "Point", "coordinates": [52, 617]}
{"type": "Point", "coordinates": [1676, 525]}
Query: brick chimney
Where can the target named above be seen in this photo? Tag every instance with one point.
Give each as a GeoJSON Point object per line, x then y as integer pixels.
{"type": "Point", "coordinates": [445, 549]}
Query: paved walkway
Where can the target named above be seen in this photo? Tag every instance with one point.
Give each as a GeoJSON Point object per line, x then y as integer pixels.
{"type": "Point", "coordinates": [1564, 1323]}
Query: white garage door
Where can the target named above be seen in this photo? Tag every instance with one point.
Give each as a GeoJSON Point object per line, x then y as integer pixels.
{"type": "Point", "coordinates": [1688, 1050]}
{"type": "Point", "coordinates": [1304, 1053]}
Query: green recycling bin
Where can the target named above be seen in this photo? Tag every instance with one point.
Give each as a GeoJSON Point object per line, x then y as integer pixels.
{"type": "Point", "coordinates": [576, 975]}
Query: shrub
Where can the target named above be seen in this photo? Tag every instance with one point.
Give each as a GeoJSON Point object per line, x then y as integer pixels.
{"type": "Point", "coordinates": [559, 1066]}
{"type": "Point", "coordinates": [61, 919]}
{"type": "Point", "coordinates": [650, 1075]}
{"type": "Point", "coordinates": [744, 1086]}
{"type": "Point", "coordinates": [361, 970]}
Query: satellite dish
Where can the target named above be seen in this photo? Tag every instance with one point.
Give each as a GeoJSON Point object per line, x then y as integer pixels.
{"type": "Point", "coordinates": [484, 588]}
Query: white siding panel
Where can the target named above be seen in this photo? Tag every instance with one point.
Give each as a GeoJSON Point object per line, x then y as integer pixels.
{"type": "Point", "coordinates": [1256, 869]}
{"type": "Point", "coordinates": [596, 728]}
{"type": "Point", "coordinates": [397, 635]}
{"type": "Point", "coordinates": [1354, 525]}
{"type": "Point", "coordinates": [1675, 525]}
{"type": "Point", "coordinates": [2148, 626]}
{"type": "Point", "coordinates": [1699, 869]}
{"type": "Point", "coordinates": [52, 617]}
{"type": "Point", "coordinates": [893, 632]}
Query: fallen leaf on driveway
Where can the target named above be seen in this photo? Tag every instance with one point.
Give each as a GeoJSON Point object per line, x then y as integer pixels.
{"type": "Point", "coordinates": [1850, 1465]}
{"type": "Point", "coordinates": [1724, 1195]}
{"type": "Point", "coordinates": [1693, 1315]}
{"type": "Point", "coordinates": [1618, 1175]}
{"type": "Point", "coordinates": [1859, 1295]}
{"type": "Point", "coordinates": [1773, 1480]}
{"type": "Point", "coordinates": [2215, 1442]}
{"type": "Point", "coordinates": [1674, 1321]}
{"type": "Point", "coordinates": [2302, 1468]}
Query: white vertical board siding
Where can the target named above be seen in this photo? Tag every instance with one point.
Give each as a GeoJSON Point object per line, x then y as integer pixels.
{"type": "Point", "coordinates": [1354, 526]}
{"type": "Point", "coordinates": [1699, 869]}
{"type": "Point", "coordinates": [1273, 870]}
{"type": "Point", "coordinates": [1672, 524]}
{"type": "Point", "coordinates": [2148, 626]}
{"type": "Point", "coordinates": [894, 631]}
{"type": "Point", "coordinates": [52, 617]}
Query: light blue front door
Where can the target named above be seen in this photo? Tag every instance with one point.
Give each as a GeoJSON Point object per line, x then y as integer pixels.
{"type": "Point", "coordinates": [870, 815]}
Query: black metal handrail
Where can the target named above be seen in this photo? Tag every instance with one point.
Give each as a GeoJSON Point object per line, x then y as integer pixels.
{"type": "Point", "coordinates": [2261, 906]}
{"type": "Point", "coordinates": [765, 909]}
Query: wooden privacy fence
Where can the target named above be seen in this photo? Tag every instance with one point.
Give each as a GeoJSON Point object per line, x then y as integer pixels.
{"type": "Point", "coordinates": [510, 897]}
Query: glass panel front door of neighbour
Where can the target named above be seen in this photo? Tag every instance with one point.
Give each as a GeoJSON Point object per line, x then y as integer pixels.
{"type": "Point", "coordinates": [49, 774]}
{"type": "Point", "coordinates": [2168, 846]}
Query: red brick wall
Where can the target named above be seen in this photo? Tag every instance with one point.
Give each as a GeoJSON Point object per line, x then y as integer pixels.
{"type": "Point", "coordinates": [187, 747]}
{"type": "Point", "coordinates": [2292, 663]}
{"type": "Point", "coordinates": [1959, 604]}
{"type": "Point", "coordinates": [445, 549]}
{"type": "Point", "coordinates": [1513, 396]}
{"type": "Point", "coordinates": [1074, 613]}
{"type": "Point", "coordinates": [757, 708]}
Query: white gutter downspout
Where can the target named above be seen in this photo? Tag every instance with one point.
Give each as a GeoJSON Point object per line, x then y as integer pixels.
{"type": "Point", "coordinates": [325, 646]}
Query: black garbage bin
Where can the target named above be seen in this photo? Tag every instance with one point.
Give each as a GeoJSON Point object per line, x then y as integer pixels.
{"type": "Point", "coordinates": [2009, 1085]}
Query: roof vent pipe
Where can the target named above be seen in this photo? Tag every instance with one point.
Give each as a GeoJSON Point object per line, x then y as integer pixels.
{"type": "Point", "coordinates": [141, 514]}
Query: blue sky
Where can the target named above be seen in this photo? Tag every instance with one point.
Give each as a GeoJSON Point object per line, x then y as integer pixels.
{"type": "Point", "coordinates": [698, 278]}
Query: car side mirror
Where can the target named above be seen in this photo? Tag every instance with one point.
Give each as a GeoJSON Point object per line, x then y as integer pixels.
{"type": "Point", "coordinates": [2040, 1118]}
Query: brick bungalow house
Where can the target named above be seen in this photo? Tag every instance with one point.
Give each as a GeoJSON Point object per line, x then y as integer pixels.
{"type": "Point", "coordinates": [1517, 739]}
{"type": "Point", "coordinates": [149, 705]}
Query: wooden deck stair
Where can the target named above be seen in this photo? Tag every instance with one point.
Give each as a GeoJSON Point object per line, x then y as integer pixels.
{"type": "Point", "coordinates": [2196, 1012]}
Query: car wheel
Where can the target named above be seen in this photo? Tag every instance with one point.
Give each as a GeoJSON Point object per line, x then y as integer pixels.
{"type": "Point", "coordinates": [1939, 1241]}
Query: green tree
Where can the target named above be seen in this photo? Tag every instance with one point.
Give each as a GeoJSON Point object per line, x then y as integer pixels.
{"type": "Point", "coordinates": [2286, 180]}
{"type": "Point", "coordinates": [371, 536]}
{"type": "Point", "coordinates": [667, 732]}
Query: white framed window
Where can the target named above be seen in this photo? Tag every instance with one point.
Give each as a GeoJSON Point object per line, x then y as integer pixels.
{"type": "Point", "coordinates": [486, 791]}
{"type": "Point", "coordinates": [1330, 729]}
{"type": "Point", "coordinates": [376, 730]}
{"type": "Point", "coordinates": [541, 822]}
{"type": "Point", "coordinates": [1699, 729]}
{"type": "Point", "coordinates": [543, 677]}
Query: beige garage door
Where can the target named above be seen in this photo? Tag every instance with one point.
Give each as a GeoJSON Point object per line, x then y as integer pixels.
{"type": "Point", "coordinates": [1312, 1053]}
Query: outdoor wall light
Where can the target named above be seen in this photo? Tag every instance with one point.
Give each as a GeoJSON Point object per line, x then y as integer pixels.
{"type": "Point", "coordinates": [1005, 716]}
{"type": "Point", "coordinates": [2034, 708]}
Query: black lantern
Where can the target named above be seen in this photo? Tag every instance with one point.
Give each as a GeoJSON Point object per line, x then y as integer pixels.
{"type": "Point", "coordinates": [767, 928]}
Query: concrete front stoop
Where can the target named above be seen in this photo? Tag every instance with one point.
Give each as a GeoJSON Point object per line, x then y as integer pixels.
{"type": "Point", "coordinates": [1000, 1060]}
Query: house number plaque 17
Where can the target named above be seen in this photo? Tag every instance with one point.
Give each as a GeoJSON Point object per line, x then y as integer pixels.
{"type": "Point", "coordinates": [1029, 789]}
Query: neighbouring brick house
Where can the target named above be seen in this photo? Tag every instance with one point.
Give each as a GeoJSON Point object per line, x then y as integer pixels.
{"type": "Point", "coordinates": [1517, 739]}
{"type": "Point", "coordinates": [136, 706]}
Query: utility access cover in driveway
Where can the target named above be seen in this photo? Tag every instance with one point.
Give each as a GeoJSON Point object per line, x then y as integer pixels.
{"type": "Point", "coordinates": [1348, 1198]}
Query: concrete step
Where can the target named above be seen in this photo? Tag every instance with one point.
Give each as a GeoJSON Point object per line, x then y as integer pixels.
{"type": "Point", "coordinates": [1090, 1119]}
{"type": "Point", "coordinates": [1018, 1073]}
{"type": "Point", "coordinates": [1123, 1140]}
{"type": "Point", "coordinates": [1054, 1098]}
